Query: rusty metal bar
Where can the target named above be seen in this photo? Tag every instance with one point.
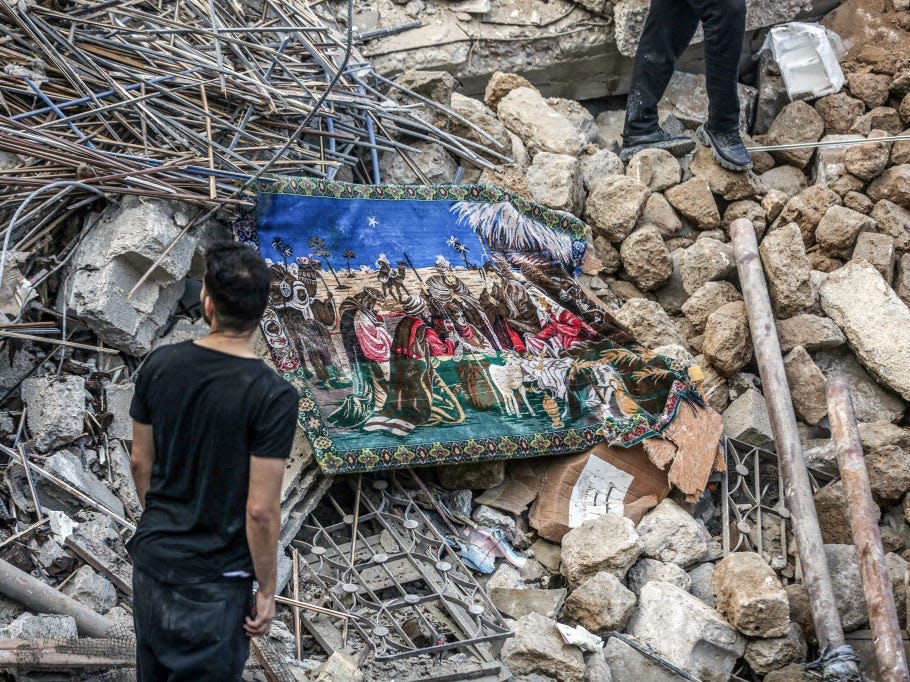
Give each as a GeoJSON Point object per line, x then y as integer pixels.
{"type": "Point", "coordinates": [797, 488]}
{"type": "Point", "coordinates": [863, 515]}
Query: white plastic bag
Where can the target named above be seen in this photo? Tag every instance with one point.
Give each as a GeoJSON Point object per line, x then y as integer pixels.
{"type": "Point", "coordinates": [807, 61]}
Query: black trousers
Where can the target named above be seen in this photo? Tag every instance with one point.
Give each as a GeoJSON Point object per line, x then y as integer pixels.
{"type": "Point", "coordinates": [191, 632]}
{"type": "Point", "coordinates": [668, 29]}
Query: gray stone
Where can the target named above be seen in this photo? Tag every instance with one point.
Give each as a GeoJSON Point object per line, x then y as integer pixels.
{"type": "Point", "coordinates": [614, 206]}
{"type": "Point", "coordinates": [555, 181]}
{"type": "Point", "coordinates": [67, 466]}
{"type": "Point", "coordinates": [657, 211]}
{"type": "Point", "coordinates": [627, 664]}
{"type": "Point", "coordinates": [649, 323]}
{"type": "Point", "coordinates": [874, 320]}
{"type": "Point", "coordinates": [578, 115]}
{"type": "Point", "coordinates": [119, 397]}
{"type": "Point", "coordinates": [51, 557]}
{"type": "Point", "coordinates": [893, 220]}
{"type": "Point", "coordinates": [829, 160]}
{"type": "Point", "coordinates": [839, 227]}
{"type": "Point", "coordinates": [600, 603]}
{"type": "Point", "coordinates": [727, 343]}
{"type": "Point", "coordinates": [646, 259]}
{"type": "Point", "coordinates": [867, 161]}
{"type": "Point", "coordinates": [607, 254]}
{"type": "Point", "coordinates": [728, 184]}
{"type": "Point", "coordinates": [871, 401]}
{"type": "Point", "coordinates": [183, 330]}
{"type": "Point", "coordinates": [750, 596]}
{"type": "Point", "coordinates": [671, 295]}
{"type": "Point", "coordinates": [40, 626]}
{"type": "Point", "coordinates": [693, 199]}
{"type": "Point", "coordinates": [797, 122]}
{"type": "Point", "coordinates": [433, 161]}
{"type": "Point", "coordinates": [682, 629]}
{"type": "Point", "coordinates": [707, 299]}
{"type": "Point", "coordinates": [807, 386]}
{"type": "Point", "coordinates": [788, 180]}
{"type": "Point", "coordinates": [848, 588]}
{"type": "Point", "coordinates": [492, 518]}
{"type": "Point", "coordinates": [517, 603]}
{"type": "Point", "coordinates": [481, 116]}
{"type": "Point", "coordinates": [686, 98]}
{"type": "Point", "coordinates": [607, 543]}
{"type": "Point", "coordinates": [707, 260]}
{"type": "Point", "coordinates": [902, 279]}
{"type": "Point", "coordinates": [658, 169]}
{"type": "Point", "coordinates": [9, 611]}
{"type": "Point", "coordinates": [598, 670]}
{"type": "Point", "coordinates": [812, 332]}
{"type": "Point", "coordinates": [92, 590]}
{"type": "Point", "coordinates": [839, 111]}
{"type": "Point", "coordinates": [609, 129]}
{"type": "Point", "coordinates": [645, 570]}
{"type": "Point", "coordinates": [887, 452]}
{"type": "Point", "coordinates": [122, 475]}
{"type": "Point", "coordinates": [55, 408]}
{"type": "Point", "coordinates": [537, 647]}
{"type": "Point", "coordinates": [765, 655]}
{"type": "Point", "coordinates": [783, 256]}
{"type": "Point", "coordinates": [598, 165]}
{"type": "Point", "coordinates": [747, 419]}
{"type": "Point", "coordinates": [806, 210]}
{"type": "Point", "coordinates": [525, 112]}
{"type": "Point", "coordinates": [893, 185]}
{"type": "Point", "coordinates": [878, 251]}
{"type": "Point", "coordinates": [700, 583]}
{"type": "Point", "coordinates": [671, 535]}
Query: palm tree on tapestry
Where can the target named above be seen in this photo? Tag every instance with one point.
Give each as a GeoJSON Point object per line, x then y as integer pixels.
{"type": "Point", "coordinates": [318, 246]}
{"type": "Point", "coordinates": [349, 255]}
{"type": "Point", "coordinates": [460, 249]}
{"type": "Point", "coordinates": [283, 249]}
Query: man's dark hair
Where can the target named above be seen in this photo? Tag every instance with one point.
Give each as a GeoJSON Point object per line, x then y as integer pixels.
{"type": "Point", "coordinates": [237, 279]}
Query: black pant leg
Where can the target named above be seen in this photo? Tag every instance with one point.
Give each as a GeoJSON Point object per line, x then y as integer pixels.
{"type": "Point", "coordinates": [724, 23]}
{"type": "Point", "coordinates": [145, 595]}
{"type": "Point", "coordinates": [667, 32]}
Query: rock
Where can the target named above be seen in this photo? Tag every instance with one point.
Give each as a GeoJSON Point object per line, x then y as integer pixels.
{"type": "Point", "coordinates": [555, 181]}
{"type": "Point", "coordinates": [887, 450]}
{"type": "Point", "coordinates": [875, 321]}
{"type": "Point", "coordinates": [831, 505]}
{"type": "Point", "coordinates": [693, 199]}
{"type": "Point", "coordinates": [806, 210]}
{"type": "Point", "coordinates": [500, 85]}
{"type": "Point", "coordinates": [871, 88]}
{"type": "Point", "coordinates": [646, 570]}
{"type": "Point", "coordinates": [649, 323]}
{"type": "Point", "coordinates": [646, 259]}
{"type": "Point", "coordinates": [902, 279]}
{"type": "Point", "coordinates": [787, 179]}
{"type": "Point", "coordinates": [481, 475]}
{"type": "Point", "coordinates": [870, 401]}
{"type": "Point", "coordinates": [481, 116]}
{"type": "Point", "coordinates": [656, 168]}
{"type": "Point", "coordinates": [878, 251]}
{"type": "Point", "coordinates": [92, 590]}
{"type": "Point", "coordinates": [55, 409]}
{"type": "Point", "coordinates": [714, 385]}
{"type": "Point", "coordinates": [66, 466]}
{"type": "Point", "coordinates": [787, 269]}
{"type": "Point", "coordinates": [608, 255]}
{"type": "Point", "coordinates": [728, 184]}
{"type": "Point", "coordinates": [607, 543]}
{"type": "Point", "coordinates": [750, 596]}
{"type": "Point", "coordinates": [537, 647]}
{"type": "Point", "coordinates": [600, 603]}
{"type": "Point", "coordinates": [884, 119]}
{"type": "Point", "coordinates": [858, 202]}
{"type": "Point", "coordinates": [51, 557]}
{"type": "Point", "coordinates": [846, 183]}
{"type": "Point", "coordinates": [40, 626]}
{"type": "Point", "coordinates": [812, 332]}
{"type": "Point", "coordinates": [525, 112]}
{"type": "Point", "coordinates": [515, 600]}
{"type": "Point", "coordinates": [747, 420]}
{"type": "Point", "coordinates": [839, 227]}
{"type": "Point", "coordinates": [900, 151]}
{"type": "Point", "coordinates": [578, 115]}
{"type": "Point", "coordinates": [339, 667]}
{"type": "Point", "coordinates": [707, 299]}
{"type": "Point", "coordinates": [119, 397]}
{"type": "Point", "coordinates": [614, 206]}
{"type": "Point", "coordinates": [707, 260]}
{"type": "Point", "coordinates": [433, 161]}
{"type": "Point", "coordinates": [434, 85]}
{"type": "Point", "coordinates": [689, 634]}
{"type": "Point", "coordinates": [627, 664]}
{"type": "Point", "coordinates": [671, 535]}
{"type": "Point", "coordinates": [867, 161]}
{"type": "Point", "coordinates": [657, 211]}
{"type": "Point", "coordinates": [839, 111]}
{"type": "Point", "coordinates": [795, 672]}
{"type": "Point", "coordinates": [773, 203]}
{"type": "Point", "coordinates": [509, 178]}
{"type": "Point", "coordinates": [893, 185]}
{"type": "Point", "coordinates": [848, 589]}
{"type": "Point", "coordinates": [701, 584]}
{"type": "Point", "coordinates": [597, 166]}
{"type": "Point", "coordinates": [807, 386]}
{"type": "Point", "coordinates": [829, 160]}
{"type": "Point", "coordinates": [492, 518]}
{"type": "Point", "coordinates": [609, 129]}
{"type": "Point", "coordinates": [893, 220]}
{"type": "Point", "coordinates": [183, 330]}
{"type": "Point", "coordinates": [750, 210]}
{"type": "Point", "coordinates": [727, 343]}
{"type": "Point", "coordinates": [765, 655]}
{"type": "Point", "coordinates": [797, 122]}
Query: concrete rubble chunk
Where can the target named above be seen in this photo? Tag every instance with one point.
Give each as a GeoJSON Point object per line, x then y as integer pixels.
{"type": "Point", "coordinates": [893, 184]}
{"type": "Point", "coordinates": [848, 588]}
{"type": "Point", "coordinates": [339, 667]}
{"type": "Point", "coordinates": [747, 419]}
{"type": "Point", "coordinates": [600, 603]}
{"type": "Point", "coordinates": [614, 206]}
{"type": "Point", "coordinates": [831, 508]}
{"type": "Point", "coordinates": [671, 535]}
{"type": "Point", "coordinates": [55, 408]}
{"type": "Point", "coordinates": [871, 401]}
{"type": "Point", "coordinates": [858, 202]}
{"type": "Point", "coordinates": [686, 99]}
{"type": "Point", "coordinates": [871, 88]}
{"type": "Point", "coordinates": [627, 664]}
{"type": "Point", "coordinates": [750, 595]}
{"type": "Point", "coordinates": [773, 203]}
{"type": "Point", "coordinates": [432, 160]}
{"type": "Point", "coordinates": [867, 161]}
{"type": "Point", "coordinates": [887, 450]}
{"type": "Point", "coordinates": [693, 199]}
{"type": "Point", "coordinates": [649, 323]}
{"type": "Point", "coordinates": [646, 258]}
{"type": "Point", "coordinates": [598, 165]}
{"type": "Point", "coordinates": [40, 626]}
{"type": "Point", "coordinates": [838, 229]}
{"type": "Point", "coordinates": [714, 385]}
{"type": "Point", "coordinates": [797, 122]}
{"type": "Point", "coordinates": [500, 85]}
{"type": "Point", "coordinates": [727, 343]}
{"type": "Point", "coordinates": [607, 254]}
{"type": "Point", "coordinates": [893, 220]}
{"type": "Point", "coordinates": [526, 113]}
{"type": "Point", "coordinates": [481, 475]}
{"type": "Point", "coordinates": [51, 557]}
{"type": "Point", "coordinates": [119, 397]}
{"type": "Point", "coordinates": [658, 169]}
{"type": "Point", "coordinates": [839, 111]}
{"type": "Point", "coordinates": [646, 570]}
{"type": "Point", "coordinates": [806, 210]}
{"type": "Point", "coordinates": [92, 590]}
{"type": "Point", "coordinates": [807, 386]}
{"type": "Point", "coordinates": [902, 279]}
{"type": "Point", "coordinates": [707, 299]}
{"type": "Point", "coordinates": [578, 115]}
{"type": "Point", "coordinates": [514, 598]}
{"type": "Point", "coordinates": [788, 180]}
{"type": "Point", "coordinates": [609, 129]}
{"type": "Point", "coordinates": [707, 260]}
{"type": "Point", "coordinates": [484, 118]}
{"type": "Point", "coordinates": [765, 655]}
{"type": "Point", "coordinates": [884, 119]}
{"type": "Point", "coordinates": [750, 210]}
{"type": "Point", "coordinates": [682, 629]}
{"type": "Point", "coordinates": [828, 166]}
{"type": "Point", "coordinates": [878, 251]}
{"type": "Point", "coordinates": [672, 295]}
{"type": "Point", "coordinates": [725, 183]}
{"type": "Point", "coordinates": [812, 332]}
{"type": "Point", "coordinates": [658, 212]}
{"type": "Point", "coordinates": [874, 320]}
{"type": "Point", "coordinates": [786, 266]}
{"type": "Point", "coordinates": [537, 647]}
{"type": "Point", "coordinates": [555, 181]}
{"type": "Point", "coordinates": [700, 583]}
{"type": "Point", "coordinates": [607, 543]}
{"type": "Point", "coordinates": [66, 465]}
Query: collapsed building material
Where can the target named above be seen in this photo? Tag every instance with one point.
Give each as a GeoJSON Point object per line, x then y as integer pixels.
{"type": "Point", "coordinates": [44, 654]}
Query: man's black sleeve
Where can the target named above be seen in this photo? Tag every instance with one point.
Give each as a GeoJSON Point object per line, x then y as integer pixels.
{"type": "Point", "coordinates": [273, 429]}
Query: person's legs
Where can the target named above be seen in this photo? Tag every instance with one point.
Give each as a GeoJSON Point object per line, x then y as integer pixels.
{"type": "Point", "coordinates": [146, 595]}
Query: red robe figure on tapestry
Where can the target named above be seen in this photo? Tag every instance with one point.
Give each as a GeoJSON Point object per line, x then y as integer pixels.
{"type": "Point", "coordinates": [560, 328]}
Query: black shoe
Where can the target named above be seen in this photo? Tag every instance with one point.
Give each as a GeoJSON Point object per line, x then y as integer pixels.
{"type": "Point", "coordinates": [729, 150]}
{"type": "Point", "coordinates": [677, 145]}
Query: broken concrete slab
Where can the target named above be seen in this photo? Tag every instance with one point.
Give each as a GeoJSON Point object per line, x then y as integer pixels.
{"type": "Point", "coordinates": [92, 590]}
{"type": "Point", "coordinates": [118, 398]}
{"type": "Point", "coordinates": [66, 466]}
{"type": "Point", "coordinates": [600, 603]}
{"type": "Point", "coordinates": [606, 543]}
{"type": "Point", "coordinates": [646, 570]}
{"type": "Point", "coordinates": [537, 647]}
{"type": "Point", "coordinates": [746, 419]}
{"type": "Point", "coordinates": [750, 595]}
{"type": "Point", "coordinates": [56, 408]}
{"type": "Point", "coordinates": [671, 535]}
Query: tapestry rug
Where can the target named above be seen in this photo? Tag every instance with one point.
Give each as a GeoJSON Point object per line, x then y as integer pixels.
{"type": "Point", "coordinates": [428, 325]}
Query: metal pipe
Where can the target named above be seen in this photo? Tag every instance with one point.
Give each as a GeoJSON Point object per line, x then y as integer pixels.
{"type": "Point", "coordinates": [797, 489]}
{"type": "Point", "coordinates": [863, 515]}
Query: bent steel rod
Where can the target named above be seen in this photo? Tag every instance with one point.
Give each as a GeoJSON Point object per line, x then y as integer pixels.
{"type": "Point", "coordinates": [797, 489]}
{"type": "Point", "coordinates": [863, 515]}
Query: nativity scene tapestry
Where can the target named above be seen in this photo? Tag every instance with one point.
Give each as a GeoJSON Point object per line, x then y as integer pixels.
{"type": "Point", "coordinates": [445, 324]}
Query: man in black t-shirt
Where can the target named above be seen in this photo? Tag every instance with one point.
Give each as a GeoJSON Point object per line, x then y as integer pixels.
{"type": "Point", "coordinates": [212, 428]}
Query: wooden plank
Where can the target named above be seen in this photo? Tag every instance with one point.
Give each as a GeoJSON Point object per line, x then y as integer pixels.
{"type": "Point", "coordinates": [104, 560]}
